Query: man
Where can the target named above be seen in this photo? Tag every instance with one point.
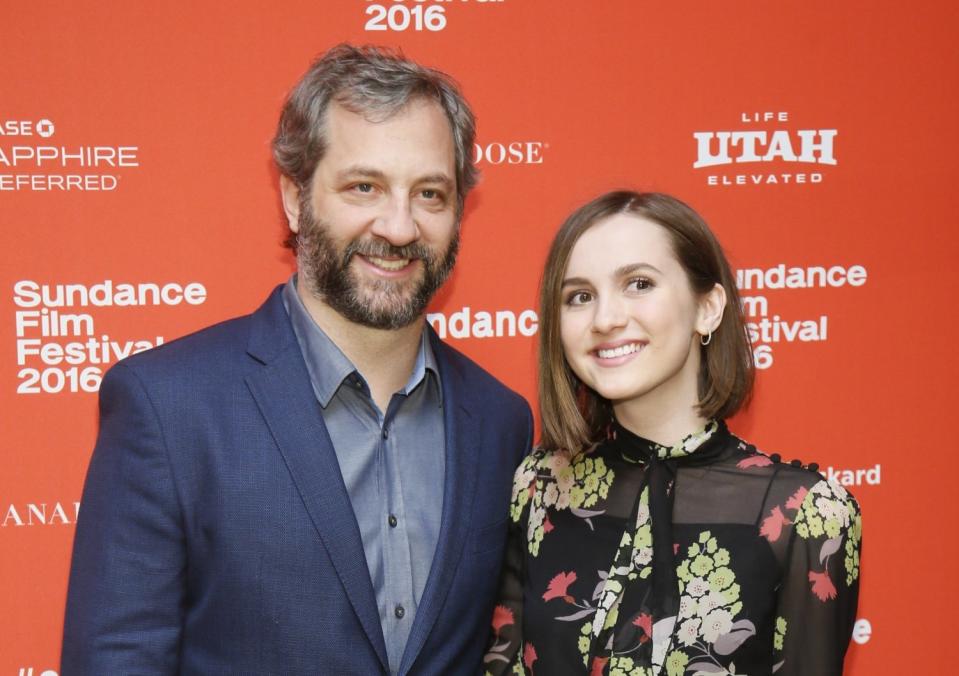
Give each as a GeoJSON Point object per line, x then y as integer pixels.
{"type": "Point", "coordinates": [320, 487]}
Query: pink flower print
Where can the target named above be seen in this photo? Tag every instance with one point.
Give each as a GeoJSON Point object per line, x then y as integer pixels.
{"type": "Point", "coordinates": [502, 617]}
{"type": "Point", "coordinates": [558, 586]}
{"type": "Point", "coordinates": [529, 655]}
{"type": "Point", "coordinates": [795, 502]}
{"type": "Point", "coordinates": [757, 460]}
{"type": "Point", "coordinates": [822, 586]}
{"type": "Point", "coordinates": [645, 622]}
{"type": "Point", "coordinates": [599, 663]}
{"type": "Point", "coordinates": [772, 526]}
{"type": "Point", "coordinates": [547, 525]}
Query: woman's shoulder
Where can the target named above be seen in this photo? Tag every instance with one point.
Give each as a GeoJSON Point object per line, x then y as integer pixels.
{"type": "Point", "coordinates": [797, 491]}
{"type": "Point", "coordinates": [553, 463]}
{"type": "Point", "coordinates": [560, 479]}
{"type": "Point", "coordinates": [541, 464]}
{"type": "Point", "coordinates": [786, 475]}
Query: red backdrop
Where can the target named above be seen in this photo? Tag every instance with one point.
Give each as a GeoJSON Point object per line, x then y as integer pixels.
{"type": "Point", "coordinates": [134, 148]}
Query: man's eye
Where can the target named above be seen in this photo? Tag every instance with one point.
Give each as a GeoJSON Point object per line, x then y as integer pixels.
{"type": "Point", "coordinates": [363, 187]}
{"type": "Point", "coordinates": [431, 195]}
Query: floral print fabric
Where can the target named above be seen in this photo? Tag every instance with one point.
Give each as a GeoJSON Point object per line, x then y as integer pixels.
{"type": "Point", "coordinates": [765, 555]}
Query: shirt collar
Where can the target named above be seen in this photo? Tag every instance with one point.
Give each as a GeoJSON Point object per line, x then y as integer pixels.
{"type": "Point", "coordinates": [326, 363]}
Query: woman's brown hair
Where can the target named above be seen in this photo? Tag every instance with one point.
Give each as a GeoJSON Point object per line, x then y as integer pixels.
{"type": "Point", "coordinates": [573, 415]}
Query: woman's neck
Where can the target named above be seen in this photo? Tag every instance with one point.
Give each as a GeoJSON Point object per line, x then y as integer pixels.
{"type": "Point", "coordinates": [665, 426]}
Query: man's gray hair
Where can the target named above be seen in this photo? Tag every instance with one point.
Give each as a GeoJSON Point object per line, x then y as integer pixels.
{"type": "Point", "coordinates": [374, 82]}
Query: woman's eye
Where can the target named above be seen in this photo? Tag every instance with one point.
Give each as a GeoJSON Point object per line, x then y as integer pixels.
{"type": "Point", "coordinates": [579, 298]}
{"type": "Point", "coordinates": [640, 284]}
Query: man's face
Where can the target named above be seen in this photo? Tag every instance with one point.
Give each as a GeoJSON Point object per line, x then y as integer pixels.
{"type": "Point", "coordinates": [378, 230]}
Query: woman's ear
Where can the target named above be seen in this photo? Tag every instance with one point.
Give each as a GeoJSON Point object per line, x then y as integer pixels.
{"type": "Point", "coordinates": [712, 304]}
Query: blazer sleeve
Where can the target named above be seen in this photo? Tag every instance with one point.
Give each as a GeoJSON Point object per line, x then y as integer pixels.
{"type": "Point", "coordinates": [126, 596]}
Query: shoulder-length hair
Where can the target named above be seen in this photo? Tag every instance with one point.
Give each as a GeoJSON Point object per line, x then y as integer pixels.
{"type": "Point", "coordinates": [573, 415]}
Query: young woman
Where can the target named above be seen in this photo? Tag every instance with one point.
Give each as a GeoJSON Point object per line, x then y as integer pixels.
{"type": "Point", "coordinates": [647, 539]}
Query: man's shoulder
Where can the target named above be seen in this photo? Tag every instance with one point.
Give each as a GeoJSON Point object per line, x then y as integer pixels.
{"type": "Point", "coordinates": [208, 350]}
{"type": "Point", "coordinates": [211, 342]}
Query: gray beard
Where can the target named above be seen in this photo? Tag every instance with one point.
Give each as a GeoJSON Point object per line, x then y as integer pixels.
{"type": "Point", "coordinates": [382, 304]}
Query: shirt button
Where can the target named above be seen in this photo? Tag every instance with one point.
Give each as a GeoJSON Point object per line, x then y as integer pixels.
{"type": "Point", "coordinates": [399, 611]}
{"type": "Point", "coordinates": [392, 521]}
{"type": "Point", "coordinates": [386, 433]}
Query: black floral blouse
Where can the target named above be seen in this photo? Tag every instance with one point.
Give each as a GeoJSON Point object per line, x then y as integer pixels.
{"type": "Point", "coordinates": [707, 558]}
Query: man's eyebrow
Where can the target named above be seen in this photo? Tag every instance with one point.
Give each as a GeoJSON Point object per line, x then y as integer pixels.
{"type": "Point", "coordinates": [442, 179]}
{"type": "Point", "coordinates": [359, 171]}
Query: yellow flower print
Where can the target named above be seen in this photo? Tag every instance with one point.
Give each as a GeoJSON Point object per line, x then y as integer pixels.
{"type": "Point", "coordinates": [721, 578]}
{"type": "Point", "coordinates": [780, 634]}
{"type": "Point", "coordinates": [577, 496]}
{"type": "Point", "coordinates": [732, 594]}
{"type": "Point", "coordinates": [701, 565]}
{"type": "Point", "coordinates": [832, 527]}
{"type": "Point", "coordinates": [676, 663]}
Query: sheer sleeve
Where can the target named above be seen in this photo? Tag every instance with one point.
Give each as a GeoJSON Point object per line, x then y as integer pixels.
{"type": "Point", "coordinates": [503, 653]}
{"type": "Point", "coordinates": [817, 601]}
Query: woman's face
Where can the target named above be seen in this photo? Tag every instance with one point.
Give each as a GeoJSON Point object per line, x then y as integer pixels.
{"type": "Point", "coordinates": [629, 321]}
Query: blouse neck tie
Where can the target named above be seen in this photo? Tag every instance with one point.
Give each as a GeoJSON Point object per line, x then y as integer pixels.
{"type": "Point", "coordinates": [644, 568]}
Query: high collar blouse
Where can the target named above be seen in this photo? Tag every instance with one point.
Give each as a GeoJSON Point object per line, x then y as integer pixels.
{"type": "Point", "coordinates": [705, 557]}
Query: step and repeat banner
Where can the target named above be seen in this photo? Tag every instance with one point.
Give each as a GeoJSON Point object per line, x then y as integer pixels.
{"type": "Point", "coordinates": [819, 140]}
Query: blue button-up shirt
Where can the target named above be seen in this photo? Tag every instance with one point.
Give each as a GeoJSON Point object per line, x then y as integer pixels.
{"type": "Point", "coordinates": [393, 465]}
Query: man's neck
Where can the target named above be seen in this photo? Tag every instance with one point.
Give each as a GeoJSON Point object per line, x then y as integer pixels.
{"type": "Point", "coordinates": [384, 357]}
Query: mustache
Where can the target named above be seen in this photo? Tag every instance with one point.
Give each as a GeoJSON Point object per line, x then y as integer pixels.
{"type": "Point", "coordinates": [382, 249]}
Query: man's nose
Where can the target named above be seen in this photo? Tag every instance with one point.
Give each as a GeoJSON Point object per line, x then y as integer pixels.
{"type": "Point", "coordinates": [396, 224]}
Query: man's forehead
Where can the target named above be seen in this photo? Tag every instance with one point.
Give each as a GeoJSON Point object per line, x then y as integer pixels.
{"type": "Point", "coordinates": [344, 111]}
{"type": "Point", "coordinates": [416, 134]}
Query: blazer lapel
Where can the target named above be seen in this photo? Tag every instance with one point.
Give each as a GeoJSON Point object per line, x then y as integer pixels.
{"type": "Point", "coordinates": [462, 454]}
{"type": "Point", "coordinates": [284, 395]}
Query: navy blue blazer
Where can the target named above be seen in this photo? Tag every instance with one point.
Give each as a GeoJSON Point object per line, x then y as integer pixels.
{"type": "Point", "coordinates": [216, 536]}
